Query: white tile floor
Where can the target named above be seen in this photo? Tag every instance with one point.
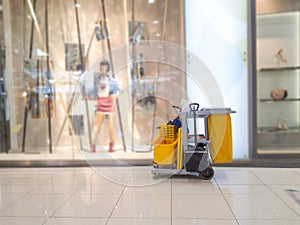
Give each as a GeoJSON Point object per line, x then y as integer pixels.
{"type": "Point", "coordinates": [130, 196]}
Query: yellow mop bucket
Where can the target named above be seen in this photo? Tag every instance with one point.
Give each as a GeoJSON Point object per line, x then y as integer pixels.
{"type": "Point", "coordinates": [165, 145]}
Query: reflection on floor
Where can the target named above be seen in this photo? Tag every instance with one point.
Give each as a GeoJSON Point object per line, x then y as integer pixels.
{"type": "Point", "coordinates": [129, 195]}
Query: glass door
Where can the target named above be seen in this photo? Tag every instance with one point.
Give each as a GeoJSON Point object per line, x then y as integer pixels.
{"type": "Point", "coordinates": [278, 77]}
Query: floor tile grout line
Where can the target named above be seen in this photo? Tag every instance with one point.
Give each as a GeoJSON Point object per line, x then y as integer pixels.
{"type": "Point", "coordinates": [284, 202]}
{"type": "Point", "coordinates": [64, 202]}
{"type": "Point", "coordinates": [23, 193]}
{"type": "Point", "coordinates": [51, 179]}
{"type": "Point", "coordinates": [294, 172]}
{"type": "Point", "coordinates": [44, 183]}
{"type": "Point", "coordinates": [9, 205]}
{"type": "Point", "coordinates": [227, 203]}
{"type": "Point", "coordinates": [117, 202]}
{"type": "Point", "coordinates": [172, 182]}
{"type": "Point", "coordinates": [19, 199]}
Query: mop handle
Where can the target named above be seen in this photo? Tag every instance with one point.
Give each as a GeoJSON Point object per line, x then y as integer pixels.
{"type": "Point", "coordinates": [177, 107]}
{"type": "Point", "coordinates": [194, 108]}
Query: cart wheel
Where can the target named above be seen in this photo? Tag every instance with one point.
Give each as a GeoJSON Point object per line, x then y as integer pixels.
{"type": "Point", "coordinates": [155, 165]}
{"type": "Point", "coordinates": [155, 176]}
{"type": "Point", "coordinates": [208, 173]}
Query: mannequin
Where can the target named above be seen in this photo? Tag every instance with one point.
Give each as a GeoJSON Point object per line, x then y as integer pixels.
{"type": "Point", "coordinates": [107, 88]}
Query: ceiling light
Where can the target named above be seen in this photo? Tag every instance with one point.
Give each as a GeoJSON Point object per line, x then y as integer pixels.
{"type": "Point", "coordinates": [151, 1]}
{"type": "Point", "coordinates": [155, 22]}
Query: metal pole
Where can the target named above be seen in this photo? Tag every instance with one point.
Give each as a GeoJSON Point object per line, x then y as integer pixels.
{"type": "Point", "coordinates": [32, 32]}
{"type": "Point", "coordinates": [134, 76]}
{"type": "Point", "coordinates": [4, 132]}
{"type": "Point", "coordinates": [78, 34]}
{"type": "Point", "coordinates": [25, 124]}
{"type": "Point", "coordinates": [48, 75]}
{"type": "Point", "coordinates": [37, 96]}
{"type": "Point", "coordinates": [26, 101]}
{"type": "Point", "coordinates": [158, 68]}
{"type": "Point", "coordinates": [82, 68]}
{"type": "Point", "coordinates": [113, 74]}
{"type": "Point", "coordinates": [133, 72]}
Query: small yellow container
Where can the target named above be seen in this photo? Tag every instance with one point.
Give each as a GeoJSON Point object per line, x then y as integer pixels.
{"type": "Point", "coordinates": [165, 145]}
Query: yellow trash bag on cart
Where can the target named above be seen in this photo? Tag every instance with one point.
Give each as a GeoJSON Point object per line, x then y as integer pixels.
{"type": "Point", "coordinates": [220, 136]}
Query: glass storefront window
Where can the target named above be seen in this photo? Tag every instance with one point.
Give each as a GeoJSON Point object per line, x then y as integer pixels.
{"type": "Point", "coordinates": [278, 71]}
{"type": "Point", "coordinates": [52, 51]}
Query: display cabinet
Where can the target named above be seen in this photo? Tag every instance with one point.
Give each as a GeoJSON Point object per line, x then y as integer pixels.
{"type": "Point", "coordinates": [278, 82]}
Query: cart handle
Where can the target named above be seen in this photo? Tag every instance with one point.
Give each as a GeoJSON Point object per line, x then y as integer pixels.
{"type": "Point", "coordinates": [194, 106]}
{"type": "Point", "coordinates": [177, 107]}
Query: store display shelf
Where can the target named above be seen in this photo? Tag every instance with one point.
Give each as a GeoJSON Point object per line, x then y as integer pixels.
{"type": "Point", "coordinates": [279, 68]}
{"type": "Point", "coordinates": [270, 100]}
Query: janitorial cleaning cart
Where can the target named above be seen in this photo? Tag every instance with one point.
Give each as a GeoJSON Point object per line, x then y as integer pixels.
{"type": "Point", "coordinates": [190, 143]}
